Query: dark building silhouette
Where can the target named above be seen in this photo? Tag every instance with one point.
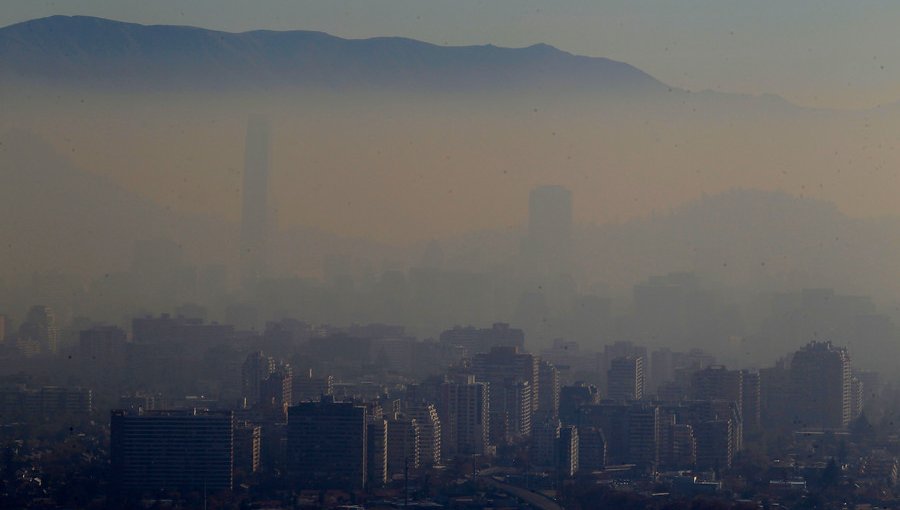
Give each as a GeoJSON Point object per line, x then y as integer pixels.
{"type": "Point", "coordinates": [476, 340]}
{"type": "Point", "coordinates": [591, 449]}
{"type": "Point", "coordinates": [102, 353]}
{"type": "Point", "coordinates": [172, 450]}
{"type": "Point", "coordinates": [18, 402]}
{"type": "Point", "coordinates": [631, 431]}
{"type": "Point", "coordinates": [326, 444]}
{"type": "Point", "coordinates": [820, 379]}
{"type": "Point", "coordinates": [255, 199]}
{"type": "Point", "coordinates": [625, 378]}
{"type": "Point", "coordinates": [568, 451]}
{"type": "Point", "coordinates": [40, 329]}
{"type": "Point", "coordinates": [376, 451]}
{"type": "Point", "coordinates": [247, 447]}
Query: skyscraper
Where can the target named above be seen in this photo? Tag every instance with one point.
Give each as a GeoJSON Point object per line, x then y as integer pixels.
{"type": "Point", "coordinates": [625, 378]}
{"type": "Point", "coordinates": [255, 199]}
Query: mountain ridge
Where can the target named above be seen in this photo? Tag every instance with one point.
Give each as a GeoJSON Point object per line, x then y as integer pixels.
{"type": "Point", "coordinates": [91, 50]}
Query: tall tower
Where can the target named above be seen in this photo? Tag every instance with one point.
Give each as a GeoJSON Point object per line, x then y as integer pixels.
{"type": "Point", "coordinates": [255, 199]}
{"type": "Point", "coordinates": [549, 237]}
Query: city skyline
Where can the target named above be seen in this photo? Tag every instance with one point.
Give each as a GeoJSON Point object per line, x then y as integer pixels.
{"type": "Point", "coordinates": [453, 255]}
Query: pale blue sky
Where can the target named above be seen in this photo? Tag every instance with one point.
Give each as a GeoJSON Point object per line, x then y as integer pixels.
{"type": "Point", "coordinates": [835, 53]}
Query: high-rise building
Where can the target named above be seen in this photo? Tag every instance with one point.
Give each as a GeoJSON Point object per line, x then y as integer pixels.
{"type": "Point", "coordinates": [715, 382]}
{"type": "Point", "coordinates": [184, 450]}
{"type": "Point", "coordinates": [631, 430]}
{"type": "Point", "coordinates": [326, 444]}
{"type": "Point", "coordinates": [376, 451]}
{"type": "Point", "coordinates": [820, 379]}
{"type": "Point", "coordinates": [545, 441]}
{"type": "Point", "coordinates": [307, 387]}
{"type": "Point", "coordinates": [255, 199]}
{"type": "Point", "coordinates": [403, 439]}
{"type": "Point", "coordinates": [257, 368]}
{"type": "Point", "coordinates": [643, 435]}
{"type": "Point", "coordinates": [429, 423]}
{"type": "Point", "coordinates": [476, 341]}
{"type": "Point", "coordinates": [776, 402]}
{"type": "Point", "coordinates": [857, 390]}
{"type": "Point", "coordinates": [750, 400]}
{"type": "Point", "coordinates": [247, 447]}
{"type": "Point", "coordinates": [591, 449]}
{"type": "Point", "coordinates": [678, 447]}
{"type": "Point", "coordinates": [715, 439]}
{"type": "Point", "coordinates": [572, 398]}
{"type": "Point", "coordinates": [464, 411]}
{"type": "Point", "coordinates": [513, 377]}
{"type": "Point", "coordinates": [102, 345]}
{"type": "Point", "coordinates": [548, 394]}
{"type": "Point", "coordinates": [40, 328]}
{"type": "Point", "coordinates": [625, 378]}
{"type": "Point", "coordinates": [568, 451]}
{"type": "Point", "coordinates": [275, 390]}
{"type": "Point", "coordinates": [102, 354]}
{"type": "Point", "coordinates": [717, 430]}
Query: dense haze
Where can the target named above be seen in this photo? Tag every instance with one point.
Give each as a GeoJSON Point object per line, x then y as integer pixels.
{"type": "Point", "coordinates": [290, 269]}
{"type": "Point", "coordinates": [381, 146]}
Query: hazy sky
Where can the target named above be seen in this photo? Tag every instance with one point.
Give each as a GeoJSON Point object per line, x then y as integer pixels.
{"type": "Point", "coordinates": [833, 53]}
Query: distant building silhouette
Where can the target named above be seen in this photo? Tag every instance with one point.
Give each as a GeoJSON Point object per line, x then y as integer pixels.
{"type": "Point", "coordinates": [820, 379]}
{"type": "Point", "coordinates": [625, 378]}
{"type": "Point", "coordinates": [40, 329]}
{"type": "Point", "coordinates": [255, 201]}
{"type": "Point", "coordinates": [477, 340]}
{"type": "Point", "coordinates": [549, 237]}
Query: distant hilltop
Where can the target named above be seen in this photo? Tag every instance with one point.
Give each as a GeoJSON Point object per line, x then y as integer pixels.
{"type": "Point", "coordinates": [70, 50]}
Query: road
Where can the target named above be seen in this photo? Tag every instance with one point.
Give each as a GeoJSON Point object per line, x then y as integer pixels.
{"type": "Point", "coordinates": [532, 498]}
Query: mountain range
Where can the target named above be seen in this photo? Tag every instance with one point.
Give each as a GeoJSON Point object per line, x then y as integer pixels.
{"type": "Point", "coordinates": [100, 52]}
